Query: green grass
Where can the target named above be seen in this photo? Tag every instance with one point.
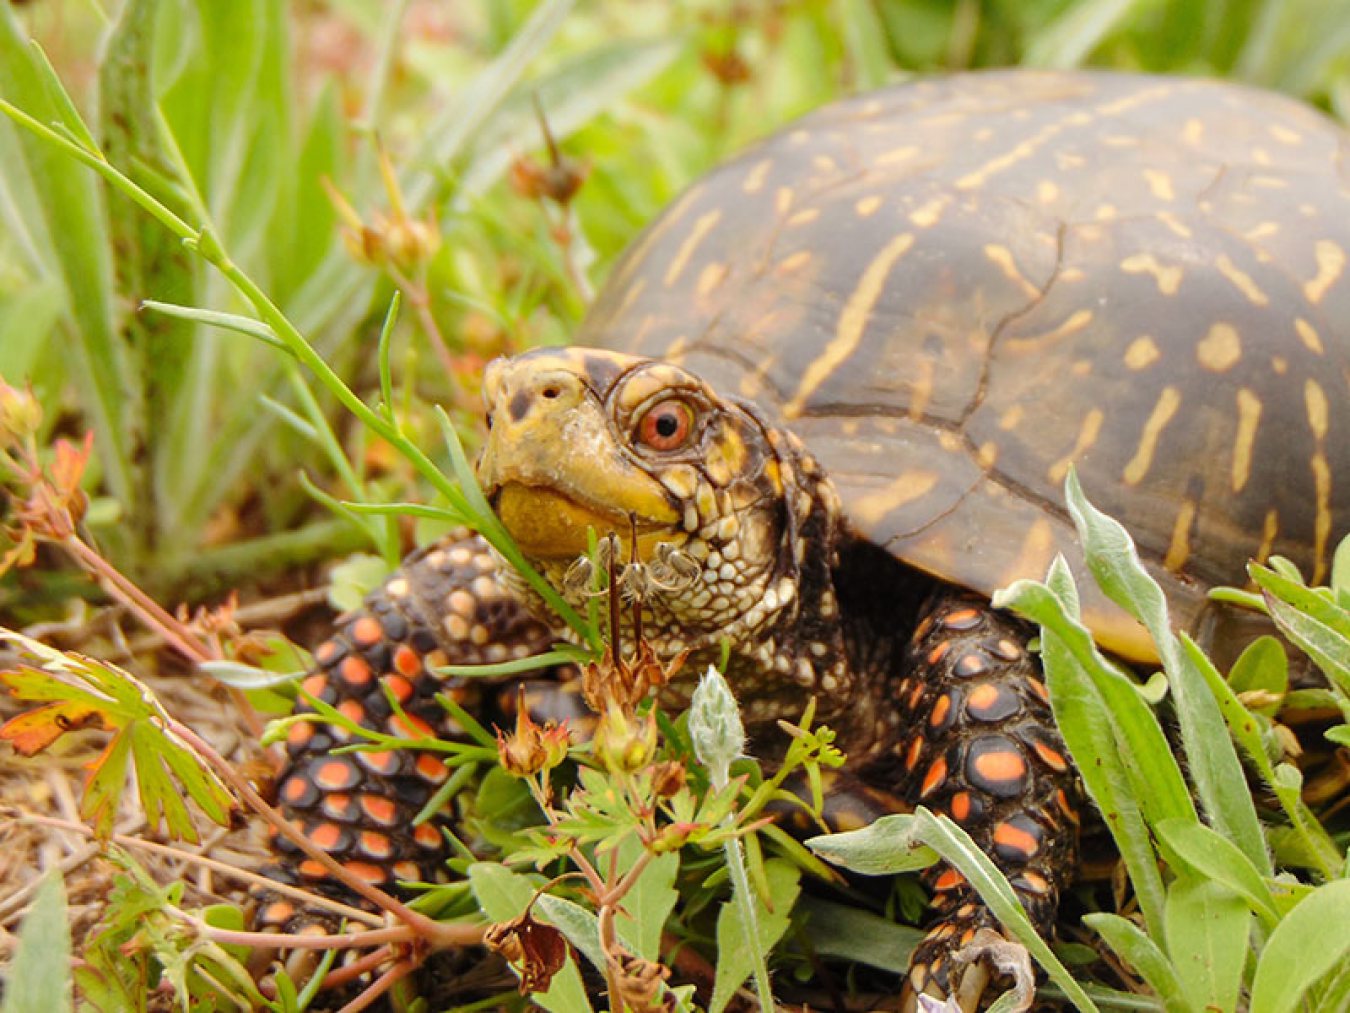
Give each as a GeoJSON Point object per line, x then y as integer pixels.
{"type": "Point", "coordinates": [219, 459]}
{"type": "Point", "coordinates": [232, 114]}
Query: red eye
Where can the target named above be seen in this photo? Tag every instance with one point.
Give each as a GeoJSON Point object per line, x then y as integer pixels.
{"type": "Point", "coordinates": [666, 426]}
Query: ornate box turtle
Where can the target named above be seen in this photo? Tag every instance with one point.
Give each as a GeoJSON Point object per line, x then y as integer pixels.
{"type": "Point", "coordinates": [942, 295]}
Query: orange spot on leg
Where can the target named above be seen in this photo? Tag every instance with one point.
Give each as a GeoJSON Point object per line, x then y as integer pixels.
{"type": "Point", "coordinates": [934, 778]}
{"type": "Point", "coordinates": [367, 631]}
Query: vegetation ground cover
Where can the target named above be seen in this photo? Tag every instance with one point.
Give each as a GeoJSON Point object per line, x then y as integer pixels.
{"type": "Point", "coordinates": [301, 165]}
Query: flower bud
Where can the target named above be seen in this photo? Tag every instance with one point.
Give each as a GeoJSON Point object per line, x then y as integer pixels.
{"type": "Point", "coordinates": [624, 741]}
{"type": "Point", "coordinates": [639, 982]}
{"type": "Point", "coordinates": [668, 778]}
{"type": "Point", "coordinates": [20, 414]}
{"type": "Point", "coordinates": [671, 837]}
{"type": "Point", "coordinates": [531, 747]}
{"type": "Point", "coordinates": [715, 726]}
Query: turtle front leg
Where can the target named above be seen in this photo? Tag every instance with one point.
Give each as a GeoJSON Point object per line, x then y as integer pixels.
{"type": "Point", "coordinates": [982, 748]}
{"type": "Point", "coordinates": [444, 606]}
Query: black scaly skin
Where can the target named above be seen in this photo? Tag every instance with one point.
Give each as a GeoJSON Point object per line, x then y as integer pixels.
{"type": "Point", "coordinates": [980, 745]}
{"type": "Point", "coordinates": [976, 742]}
{"type": "Point", "coordinates": [443, 606]}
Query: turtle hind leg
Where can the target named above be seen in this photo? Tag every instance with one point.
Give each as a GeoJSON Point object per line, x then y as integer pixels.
{"type": "Point", "coordinates": [981, 747]}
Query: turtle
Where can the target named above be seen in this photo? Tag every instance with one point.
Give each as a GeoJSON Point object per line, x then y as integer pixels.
{"type": "Point", "coordinates": [842, 380]}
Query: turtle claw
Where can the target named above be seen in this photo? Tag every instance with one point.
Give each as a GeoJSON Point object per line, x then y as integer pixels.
{"type": "Point", "coordinates": [1009, 958]}
{"type": "Point", "coordinates": [931, 1004]}
{"type": "Point", "coordinates": [963, 985]}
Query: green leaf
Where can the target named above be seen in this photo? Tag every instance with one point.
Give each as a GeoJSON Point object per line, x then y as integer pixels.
{"type": "Point", "coordinates": [852, 934]}
{"type": "Point", "coordinates": [581, 927]}
{"type": "Point", "coordinates": [1312, 939]}
{"type": "Point", "coordinates": [1142, 953]}
{"type": "Point", "coordinates": [737, 945]}
{"type": "Point", "coordinates": [1311, 620]}
{"type": "Point", "coordinates": [957, 849]}
{"type": "Point", "coordinates": [1212, 759]}
{"type": "Point", "coordinates": [71, 215]}
{"type": "Point", "coordinates": [1263, 665]}
{"type": "Point", "coordinates": [883, 848]}
{"type": "Point", "coordinates": [649, 903]}
{"type": "Point", "coordinates": [1214, 857]}
{"type": "Point", "coordinates": [248, 677]}
{"type": "Point", "coordinates": [1242, 726]}
{"type": "Point", "coordinates": [1340, 566]}
{"type": "Point", "coordinates": [1207, 935]}
{"type": "Point", "coordinates": [1070, 39]}
{"type": "Point", "coordinates": [39, 979]}
{"type": "Point", "coordinates": [141, 727]}
{"type": "Point", "coordinates": [1153, 770]}
{"type": "Point", "coordinates": [503, 895]}
{"type": "Point", "coordinates": [571, 94]}
{"type": "Point", "coordinates": [1088, 726]}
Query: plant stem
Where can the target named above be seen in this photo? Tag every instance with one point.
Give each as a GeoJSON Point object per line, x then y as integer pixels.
{"type": "Point", "coordinates": [745, 900]}
{"type": "Point", "coordinates": [138, 601]}
{"type": "Point", "coordinates": [127, 841]}
{"type": "Point", "coordinates": [382, 984]}
{"type": "Point", "coordinates": [439, 933]}
{"type": "Point", "coordinates": [288, 941]}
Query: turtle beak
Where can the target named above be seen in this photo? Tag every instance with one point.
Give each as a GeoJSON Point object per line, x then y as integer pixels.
{"type": "Point", "coordinates": [553, 468]}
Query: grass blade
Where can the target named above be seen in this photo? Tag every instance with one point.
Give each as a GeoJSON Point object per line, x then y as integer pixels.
{"type": "Point", "coordinates": [1142, 953]}
{"type": "Point", "coordinates": [72, 213]}
{"type": "Point", "coordinates": [1207, 935]}
{"type": "Point", "coordinates": [1216, 858]}
{"type": "Point", "coordinates": [38, 980]}
{"type": "Point", "coordinates": [1312, 939]}
{"type": "Point", "coordinates": [1088, 726]}
{"type": "Point", "coordinates": [1212, 759]}
{"type": "Point", "coordinates": [1311, 620]}
{"type": "Point", "coordinates": [1242, 726]}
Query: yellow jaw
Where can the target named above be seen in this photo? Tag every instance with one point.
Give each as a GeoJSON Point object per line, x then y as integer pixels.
{"type": "Point", "coordinates": [552, 464]}
{"type": "Point", "coordinates": [548, 525]}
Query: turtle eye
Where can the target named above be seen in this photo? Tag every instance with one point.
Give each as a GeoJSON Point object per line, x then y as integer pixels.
{"type": "Point", "coordinates": [666, 426]}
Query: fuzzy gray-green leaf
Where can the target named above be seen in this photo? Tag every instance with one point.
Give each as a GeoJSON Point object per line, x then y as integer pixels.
{"type": "Point", "coordinates": [38, 979]}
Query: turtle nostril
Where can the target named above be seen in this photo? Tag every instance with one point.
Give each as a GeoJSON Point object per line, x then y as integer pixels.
{"type": "Point", "coordinates": [551, 392]}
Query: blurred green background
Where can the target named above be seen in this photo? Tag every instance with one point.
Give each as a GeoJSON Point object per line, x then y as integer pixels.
{"type": "Point", "coordinates": [236, 112]}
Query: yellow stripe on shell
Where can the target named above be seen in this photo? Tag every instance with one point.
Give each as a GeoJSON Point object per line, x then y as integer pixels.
{"type": "Point", "coordinates": [702, 226]}
{"type": "Point", "coordinates": [1179, 548]}
{"type": "Point", "coordinates": [1160, 184]}
{"type": "Point", "coordinates": [1076, 322]}
{"type": "Point", "coordinates": [852, 322]}
{"type": "Point", "coordinates": [1322, 525]}
{"type": "Point", "coordinates": [1312, 341]}
{"type": "Point", "coordinates": [1249, 418]}
{"type": "Point", "coordinates": [1003, 259]}
{"type": "Point", "coordinates": [1167, 277]}
{"type": "Point", "coordinates": [1330, 264]}
{"type": "Point", "coordinates": [869, 509]}
{"type": "Point", "coordinates": [1088, 431]}
{"type": "Point", "coordinates": [1142, 352]}
{"type": "Point", "coordinates": [1269, 529]}
{"type": "Point", "coordinates": [1162, 413]}
{"type": "Point", "coordinates": [759, 172]}
{"type": "Point", "coordinates": [1242, 281]}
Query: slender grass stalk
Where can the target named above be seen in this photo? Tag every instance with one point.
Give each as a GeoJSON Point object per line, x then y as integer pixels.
{"type": "Point", "coordinates": [465, 497]}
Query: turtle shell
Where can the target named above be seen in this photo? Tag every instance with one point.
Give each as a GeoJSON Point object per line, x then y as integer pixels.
{"type": "Point", "coordinates": [954, 290]}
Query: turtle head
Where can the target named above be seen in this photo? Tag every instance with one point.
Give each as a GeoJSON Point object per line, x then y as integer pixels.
{"type": "Point", "coordinates": [722, 511]}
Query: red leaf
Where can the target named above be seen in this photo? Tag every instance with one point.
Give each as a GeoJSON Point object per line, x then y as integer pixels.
{"type": "Point", "coordinates": [32, 732]}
